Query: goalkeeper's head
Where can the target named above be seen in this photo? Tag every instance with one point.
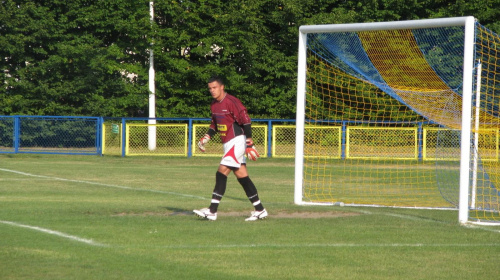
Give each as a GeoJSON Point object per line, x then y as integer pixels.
{"type": "Point", "coordinates": [217, 79]}
{"type": "Point", "coordinates": [216, 88]}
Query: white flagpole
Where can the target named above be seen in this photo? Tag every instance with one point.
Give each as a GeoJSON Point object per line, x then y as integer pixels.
{"type": "Point", "coordinates": [152, 100]}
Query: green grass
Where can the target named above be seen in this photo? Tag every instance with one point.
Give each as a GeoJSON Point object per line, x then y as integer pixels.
{"type": "Point", "coordinates": [137, 211]}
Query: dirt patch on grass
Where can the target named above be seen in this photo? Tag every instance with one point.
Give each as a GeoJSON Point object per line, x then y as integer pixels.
{"type": "Point", "coordinates": [297, 215]}
{"type": "Point", "coordinates": [273, 215]}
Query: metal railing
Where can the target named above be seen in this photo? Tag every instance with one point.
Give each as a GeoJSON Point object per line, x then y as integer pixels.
{"type": "Point", "coordinates": [273, 138]}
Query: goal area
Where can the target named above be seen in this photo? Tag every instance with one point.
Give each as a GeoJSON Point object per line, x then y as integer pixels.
{"type": "Point", "coordinates": [411, 109]}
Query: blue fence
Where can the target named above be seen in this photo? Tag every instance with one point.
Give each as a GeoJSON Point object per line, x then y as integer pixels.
{"type": "Point", "coordinates": [80, 135]}
{"type": "Point", "coordinates": [50, 135]}
{"type": "Point", "coordinates": [84, 135]}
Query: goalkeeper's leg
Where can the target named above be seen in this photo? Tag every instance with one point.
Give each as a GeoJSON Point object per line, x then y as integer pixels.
{"type": "Point", "coordinates": [219, 190]}
{"type": "Point", "coordinates": [251, 192]}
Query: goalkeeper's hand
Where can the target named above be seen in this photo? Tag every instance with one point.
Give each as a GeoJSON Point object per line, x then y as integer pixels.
{"type": "Point", "coordinates": [204, 140]}
{"type": "Point", "coordinates": [251, 151]}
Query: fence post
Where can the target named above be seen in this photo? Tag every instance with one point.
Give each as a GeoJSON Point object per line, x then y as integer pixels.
{"type": "Point", "coordinates": [99, 135]}
{"type": "Point", "coordinates": [343, 139]}
{"type": "Point", "coordinates": [124, 140]}
{"type": "Point", "coordinates": [190, 136]}
{"type": "Point", "coordinates": [269, 137]}
{"type": "Point", "coordinates": [420, 140]}
{"type": "Point", "coordinates": [17, 131]}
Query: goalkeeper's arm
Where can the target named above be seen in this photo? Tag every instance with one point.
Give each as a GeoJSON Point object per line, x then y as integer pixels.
{"type": "Point", "coordinates": [251, 152]}
{"type": "Point", "coordinates": [204, 140]}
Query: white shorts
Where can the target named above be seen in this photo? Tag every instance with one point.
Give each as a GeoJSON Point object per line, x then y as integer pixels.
{"type": "Point", "coordinates": [234, 152]}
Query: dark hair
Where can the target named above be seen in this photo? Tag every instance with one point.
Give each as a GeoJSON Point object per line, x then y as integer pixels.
{"type": "Point", "coordinates": [217, 79]}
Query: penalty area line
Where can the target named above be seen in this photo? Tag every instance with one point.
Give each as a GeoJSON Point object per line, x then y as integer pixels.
{"type": "Point", "coordinates": [56, 233]}
{"type": "Point", "coordinates": [327, 245]}
{"type": "Point", "coordinates": [100, 184]}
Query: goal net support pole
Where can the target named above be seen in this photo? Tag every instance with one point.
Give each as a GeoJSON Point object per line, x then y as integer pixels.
{"type": "Point", "coordinates": [465, 152]}
{"type": "Point", "coordinates": [300, 118]}
{"type": "Point", "coordinates": [476, 136]}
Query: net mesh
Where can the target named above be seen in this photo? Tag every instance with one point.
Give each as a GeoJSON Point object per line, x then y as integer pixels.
{"type": "Point", "coordinates": [485, 192]}
{"type": "Point", "coordinates": [398, 96]}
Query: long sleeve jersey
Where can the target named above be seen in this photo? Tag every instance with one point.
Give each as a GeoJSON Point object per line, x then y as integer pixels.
{"type": "Point", "coordinates": [228, 117]}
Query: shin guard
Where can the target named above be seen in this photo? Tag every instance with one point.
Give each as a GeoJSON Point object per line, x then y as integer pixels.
{"type": "Point", "coordinates": [251, 192]}
{"type": "Point", "coordinates": [219, 190]}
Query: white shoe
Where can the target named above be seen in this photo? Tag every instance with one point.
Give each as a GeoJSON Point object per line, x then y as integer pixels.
{"type": "Point", "coordinates": [206, 214]}
{"type": "Point", "coordinates": [257, 215]}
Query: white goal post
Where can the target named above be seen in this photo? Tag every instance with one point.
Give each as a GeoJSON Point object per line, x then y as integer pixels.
{"type": "Point", "coordinates": [331, 73]}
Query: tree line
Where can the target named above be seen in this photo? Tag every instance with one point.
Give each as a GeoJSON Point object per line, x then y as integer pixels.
{"type": "Point", "coordinates": [91, 58]}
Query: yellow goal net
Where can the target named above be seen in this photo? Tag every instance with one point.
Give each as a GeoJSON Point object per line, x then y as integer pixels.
{"type": "Point", "coordinates": [416, 106]}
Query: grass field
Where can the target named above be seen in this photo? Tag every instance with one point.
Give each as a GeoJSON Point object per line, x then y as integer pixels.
{"type": "Point", "coordinates": [88, 217]}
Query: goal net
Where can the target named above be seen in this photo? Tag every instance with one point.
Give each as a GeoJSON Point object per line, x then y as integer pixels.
{"type": "Point", "coordinates": [415, 104]}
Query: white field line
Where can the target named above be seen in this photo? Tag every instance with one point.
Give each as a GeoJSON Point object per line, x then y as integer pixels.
{"type": "Point", "coordinates": [16, 179]}
{"type": "Point", "coordinates": [231, 246]}
{"type": "Point", "coordinates": [483, 228]}
{"type": "Point", "coordinates": [56, 233]}
{"type": "Point", "coordinates": [328, 245]}
{"type": "Point", "coordinates": [407, 217]}
{"type": "Point", "coordinates": [99, 184]}
{"type": "Point", "coordinates": [412, 218]}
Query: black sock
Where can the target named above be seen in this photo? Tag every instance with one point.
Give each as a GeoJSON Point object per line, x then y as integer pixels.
{"type": "Point", "coordinates": [251, 192]}
{"type": "Point", "coordinates": [219, 190]}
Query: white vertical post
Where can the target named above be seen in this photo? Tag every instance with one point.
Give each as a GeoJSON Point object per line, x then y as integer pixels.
{"type": "Point", "coordinates": [463, 207]}
{"type": "Point", "coordinates": [300, 118]}
{"type": "Point", "coordinates": [476, 137]}
{"type": "Point", "coordinates": [152, 97]}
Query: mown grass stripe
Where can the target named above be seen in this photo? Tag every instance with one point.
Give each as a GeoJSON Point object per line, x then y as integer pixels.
{"type": "Point", "coordinates": [100, 184]}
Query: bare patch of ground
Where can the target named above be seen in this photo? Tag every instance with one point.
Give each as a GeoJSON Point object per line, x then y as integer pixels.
{"type": "Point", "coordinates": [298, 215]}
{"type": "Point", "coordinates": [275, 215]}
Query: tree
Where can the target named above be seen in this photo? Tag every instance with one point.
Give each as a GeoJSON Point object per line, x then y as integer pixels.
{"type": "Point", "coordinates": [73, 58]}
{"type": "Point", "coordinates": [242, 41]}
{"type": "Point", "coordinates": [86, 57]}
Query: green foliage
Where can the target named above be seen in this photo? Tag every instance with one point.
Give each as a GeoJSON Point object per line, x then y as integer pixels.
{"type": "Point", "coordinates": [242, 41]}
{"type": "Point", "coordinates": [92, 57]}
{"type": "Point", "coordinates": [71, 58]}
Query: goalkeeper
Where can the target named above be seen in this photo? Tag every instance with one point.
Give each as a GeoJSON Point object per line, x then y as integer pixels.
{"type": "Point", "coordinates": [230, 119]}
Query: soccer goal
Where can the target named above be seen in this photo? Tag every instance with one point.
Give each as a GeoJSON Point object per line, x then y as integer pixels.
{"type": "Point", "coordinates": [416, 104]}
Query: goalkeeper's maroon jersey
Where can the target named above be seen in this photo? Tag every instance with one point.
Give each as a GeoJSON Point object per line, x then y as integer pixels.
{"type": "Point", "coordinates": [228, 117]}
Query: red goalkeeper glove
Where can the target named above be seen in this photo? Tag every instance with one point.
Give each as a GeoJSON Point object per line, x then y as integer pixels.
{"type": "Point", "coordinates": [251, 151]}
{"type": "Point", "coordinates": [204, 140]}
